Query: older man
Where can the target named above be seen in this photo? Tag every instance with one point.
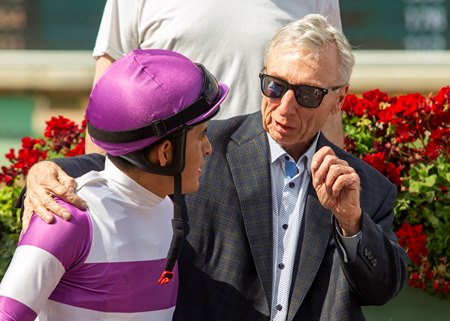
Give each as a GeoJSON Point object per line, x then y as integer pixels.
{"type": "Point", "coordinates": [285, 225]}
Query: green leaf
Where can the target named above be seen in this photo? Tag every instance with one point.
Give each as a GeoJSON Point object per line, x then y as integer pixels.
{"type": "Point", "coordinates": [414, 187]}
{"type": "Point", "coordinates": [430, 180]}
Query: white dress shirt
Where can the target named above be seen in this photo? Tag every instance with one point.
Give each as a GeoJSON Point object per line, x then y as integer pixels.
{"type": "Point", "coordinates": [288, 203]}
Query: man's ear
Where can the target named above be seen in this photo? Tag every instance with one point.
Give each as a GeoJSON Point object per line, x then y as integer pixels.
{"type": "Point", "coordinates": [162, 154]}
{"type": "Point", "coordinates": [342, 94]}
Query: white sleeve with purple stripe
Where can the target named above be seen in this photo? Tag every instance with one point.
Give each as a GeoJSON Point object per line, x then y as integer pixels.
{"type": "Point", "coordinates": [43, 254]}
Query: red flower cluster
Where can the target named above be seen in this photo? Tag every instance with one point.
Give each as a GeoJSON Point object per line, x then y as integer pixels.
{"type": "Point", "coordinates": [413, 240]}
{"type": "Point", "coordinates": [410, 129]}
{"type": "Point", "coordinates": [62, 138]}
{"type": "Point", "coordinates": [405, 119]}
{"type": "Point", "coordinates": [63, 134]}
{"type": "Point", "coordinates": [378, 161]}
{"type": "Point", "coordinates": [407, 139]}
{"type": "Point", "coordinates": [31, 152]}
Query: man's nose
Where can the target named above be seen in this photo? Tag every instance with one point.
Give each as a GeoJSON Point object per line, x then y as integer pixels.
{"type": "Point", "coordinates": [208, 147]}
{"type": "Point", "coordinates": [288, 104]}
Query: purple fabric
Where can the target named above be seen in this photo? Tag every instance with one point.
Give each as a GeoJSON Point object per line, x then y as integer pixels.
{"type": "Point", "coordinates": [107, 287]}
{"type": "Point", "coordinates": [13, 310]}
{"type": "Point", "coordinates": [118, 287]}
{"type": "Point", "coordinates": [142, 87]}
{"type": "Point", "coordinates": [68, 241]}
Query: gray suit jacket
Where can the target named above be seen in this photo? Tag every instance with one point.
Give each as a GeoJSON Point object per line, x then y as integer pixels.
{"type": "Point", "coordinates": [226, 261]}
{"type": "Point", "coordinates": [226, 264]}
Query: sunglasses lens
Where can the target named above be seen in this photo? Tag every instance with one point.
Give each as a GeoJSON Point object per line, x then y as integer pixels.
{"type": "Point", "coordinates": [309, 96]}
{"type": "Point", "coordinates": [272, 87]}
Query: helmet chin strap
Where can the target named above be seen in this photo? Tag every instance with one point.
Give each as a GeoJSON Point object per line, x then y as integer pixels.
{"type": "Point", "coordinates": [140, 160]}
{"type": "Point", "coordinates": [178, 232]}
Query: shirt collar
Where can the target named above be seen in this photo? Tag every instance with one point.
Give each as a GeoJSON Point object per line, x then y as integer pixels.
{"type": "Point", "coordinates": [276, 151]}
{"type": "Point", "coordinates": [128, 187]}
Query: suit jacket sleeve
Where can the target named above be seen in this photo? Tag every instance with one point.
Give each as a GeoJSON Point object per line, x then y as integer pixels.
{"type": "Point", "coordinates": [380, 268]}
{"type": "Point", "coordinates": [80, 165]}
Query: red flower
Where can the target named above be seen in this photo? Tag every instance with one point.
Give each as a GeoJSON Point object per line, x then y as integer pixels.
{"type": "Point", "coordinates": [353, 106]}
{"type": "Point", "coordinates": [414, 241]}
{"type": "Point", "coordinates": [373, 99]}
{"type": "Point", "coordinates": [376, 161]}
{"type": "Point", "coordinates": [390, 170]}
{"type": "Point", "coordinates": [63, 132]}
{"type": "Point", "coordinates": [10, 156]}
{"type": "Point", "coordinates": [78, 149]}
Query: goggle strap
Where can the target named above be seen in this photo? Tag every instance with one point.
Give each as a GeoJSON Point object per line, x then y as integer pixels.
{"type": "Point", "coordinates": [158, 128]}
{"type": "Point", "coordinates": [178, 232]}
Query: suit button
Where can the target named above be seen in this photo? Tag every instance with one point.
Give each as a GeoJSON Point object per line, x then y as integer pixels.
{"type": "Point", "coordinates": [281, 266]}
{"type": "Point", "coordinates": [368, 253]}
{"type": "Point", "coordinates": [285, 226]}
{"type": "Point", "coordinates": [279, 307]}
{"type": "Point", "coordinates": [374, 262]}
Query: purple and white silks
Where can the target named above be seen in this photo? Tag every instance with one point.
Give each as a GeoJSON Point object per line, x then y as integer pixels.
{"type": "Point", "coordinates": [102, 264]}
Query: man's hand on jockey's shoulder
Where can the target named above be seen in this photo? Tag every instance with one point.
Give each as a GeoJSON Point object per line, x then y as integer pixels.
{"type": "Point", "coordinates": [45, 180]}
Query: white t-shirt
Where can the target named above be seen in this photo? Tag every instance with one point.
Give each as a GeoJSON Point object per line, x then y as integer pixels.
{"type": "Point", "coordinates": [228, 37]}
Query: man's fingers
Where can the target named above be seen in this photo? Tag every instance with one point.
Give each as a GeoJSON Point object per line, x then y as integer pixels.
{"type": "Point", "coordinates": [40, 201]}
{"type": "Point", "coordinates": [349, 180]}
{"type": "Point", "coordinates": [67, 194]}
{"type": "Point", "coordinates": [46, 180]}
{"type": "Point", "coordinates": [327, 171]}
{"type": "Point", "coordinates": [75, 200]}
{"type": "Point", "coordinates": [66, 191]}
{"type": "Point", "coordinates": [336, 171]}
{"type": "Point", "coordinates": [319, 157]}
{"type": "Point", "coordinates": [67, 181]}
{"type": "Point", "coordinates": [30, 208]}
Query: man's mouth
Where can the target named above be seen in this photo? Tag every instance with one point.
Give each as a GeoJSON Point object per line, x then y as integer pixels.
{"type": "Point", "coordinates": [281, 128]}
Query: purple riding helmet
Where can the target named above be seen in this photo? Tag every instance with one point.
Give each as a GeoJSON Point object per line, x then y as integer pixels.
{"type": "Point", "coordinates": [147, 96]}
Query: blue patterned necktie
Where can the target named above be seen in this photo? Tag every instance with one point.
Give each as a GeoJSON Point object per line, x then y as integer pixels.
{"type": "Point", "coordinates": [290, 168]}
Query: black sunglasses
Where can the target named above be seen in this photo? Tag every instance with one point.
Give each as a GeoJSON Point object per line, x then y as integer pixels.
{"type": "Point", "coordinates": [307, 96]}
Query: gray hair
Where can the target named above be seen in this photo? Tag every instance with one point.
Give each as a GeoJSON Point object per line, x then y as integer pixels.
{"type": "Point", "coordinates": [313, 32]}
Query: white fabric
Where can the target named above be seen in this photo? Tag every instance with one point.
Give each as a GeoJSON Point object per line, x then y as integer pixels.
{"type": "Point", "coordinates": [22, 273]}
{"type": "Point", "coordinates": [151, 218]}
{"type": "Point", "coordinates": [228, 37]}
{"type": "Point", "coordinates": [288, 199]}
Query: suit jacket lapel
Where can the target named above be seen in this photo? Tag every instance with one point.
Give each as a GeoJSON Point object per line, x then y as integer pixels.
{"type": "Point", "coordinates": [317, 227]}
{"type": "Point", "coordinates": [249, 164]}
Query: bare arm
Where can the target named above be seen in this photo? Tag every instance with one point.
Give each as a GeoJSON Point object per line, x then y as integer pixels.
{"type": "Point", "coordinates": [101, 64]}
